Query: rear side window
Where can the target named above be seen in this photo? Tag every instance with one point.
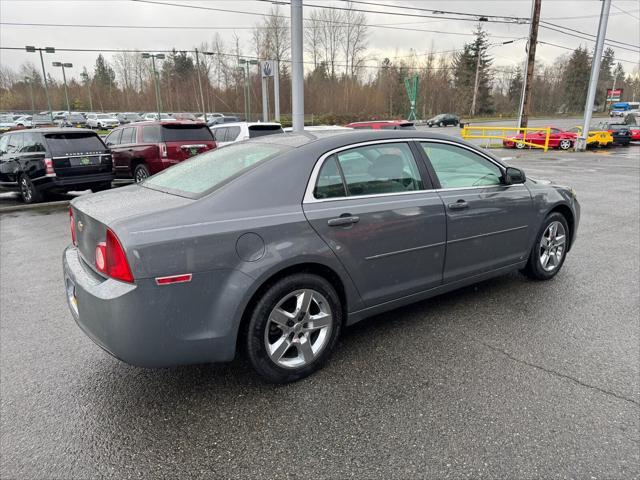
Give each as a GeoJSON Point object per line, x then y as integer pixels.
{"type": "Point", "coordinates": [232, 134]}
{"type": "Point", "coordinates": [32, 143]}
{"type": "Point", "coordinates": [15, 143]}
{"type": "Point", "coordinates": [151, 134]}
{"type": "Point", "coordinates": [262, 130]}
{"type": "Point", "coordinates": [207, 171]}
{"type": "Point", "coordinates": [219, 134]}
{"type": "Point", "coordinates": [330, 184]}
{"type": "Point", "coordinates": [76, 142]}
{"type": "Point", "coordinates": [181, 133]}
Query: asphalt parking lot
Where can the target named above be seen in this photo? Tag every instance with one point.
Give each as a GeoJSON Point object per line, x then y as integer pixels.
{"type": "Point", "coordinates": [508, 378]}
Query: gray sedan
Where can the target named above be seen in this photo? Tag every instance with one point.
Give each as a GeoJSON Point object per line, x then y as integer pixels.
{"type": "Point", "coordinates": [273, 245]}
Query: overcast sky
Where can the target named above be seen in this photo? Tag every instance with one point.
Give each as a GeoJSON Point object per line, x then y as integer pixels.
{"type": "Point", "coordinates": [579, 15]}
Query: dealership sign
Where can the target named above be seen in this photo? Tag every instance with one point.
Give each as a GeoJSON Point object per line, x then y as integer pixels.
{"type": "Point", "coordinates": [614, 95]}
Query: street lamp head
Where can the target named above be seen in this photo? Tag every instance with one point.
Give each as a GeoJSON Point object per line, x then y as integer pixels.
{"type": "Point", "coordinates": [67, 65]}
{"type": "Point", "coordinates": [160, 56]}
{"type": "Point", "coordinates": [145, 55]}
{"type": "Point", "coordinates": [56, 64]}
{"type": "Point", "coordinates": [242, 61]}
{"type": "Point", "coordinates": [50, 50]}
{"type": "Point", "coordinates": [30, 49]}
{"type": "Point", "coordinates": [253, 62]}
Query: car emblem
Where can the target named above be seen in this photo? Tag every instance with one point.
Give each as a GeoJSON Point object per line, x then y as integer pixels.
{"type": "Point", "coordinates": [85, 160]}
{"type": "Point", "coordinates": [80, 226]}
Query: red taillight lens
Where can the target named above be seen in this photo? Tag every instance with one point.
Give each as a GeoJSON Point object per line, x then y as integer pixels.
{"type": "Point", "coordinates": [48, 163]}
{"type": "Point", "coordinates": [72, 226]}
{"type": "Point", "coordinates": [111, 259]}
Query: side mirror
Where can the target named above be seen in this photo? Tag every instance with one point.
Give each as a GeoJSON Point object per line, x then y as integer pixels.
{"type": "Point", "coordinates": [514, 175]}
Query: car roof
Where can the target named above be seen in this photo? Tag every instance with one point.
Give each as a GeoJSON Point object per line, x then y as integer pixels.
{"type": "Point", "coordinates": [54, 130]}
{"type": "Point", "coordinates": [248, 124]}
{"type": "Point", "coordinates": [164, 122]}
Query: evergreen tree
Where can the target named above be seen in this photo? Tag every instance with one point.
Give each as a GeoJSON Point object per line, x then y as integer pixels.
{"type": "Point", "coordinates": [515, 87]}
{"type": "Point", "coordinates": [605, 77]}
{"type": "Point", "coordinates": [104, 75]}
{"type": "Point", "coordinates": [465, 64]}
{"type": "Point", "coordinates": [576, 80]}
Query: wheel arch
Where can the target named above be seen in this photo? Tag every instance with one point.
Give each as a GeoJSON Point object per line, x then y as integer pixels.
{"type": "Point", "coordinates": [311, 267]}
{"type": "Point", "coordinates": [567, 213]}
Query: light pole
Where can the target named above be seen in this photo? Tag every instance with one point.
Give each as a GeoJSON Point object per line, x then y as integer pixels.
{"type": "Point", "coordinates": [159, 56]}
{"type": "Point", "coordinates": [297, 70]}
{"type": "Point", "coordinates": [247, 103]}
{"type": "Point", "coordinates": [32, 49]}
{"type": "Point", "coordinates": [64, 78]}
{"type": "Point", "coordinates": [30, 82]}
{"type": "Point", "coordinates": [204, 110]}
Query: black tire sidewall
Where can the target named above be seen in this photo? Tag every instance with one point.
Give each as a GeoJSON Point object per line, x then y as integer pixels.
{"type": "Point", "coordinates": [534, 269]}
{"type": "Point", "coordinates": [255, 347]}
{"type": "Point", "coordinates": [35, 194]}
{"type": "Point", "coordinates": [140, 167]}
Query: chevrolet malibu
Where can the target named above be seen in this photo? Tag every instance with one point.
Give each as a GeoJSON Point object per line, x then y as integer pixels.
{"type": "Point", "coordinates": [272, 246]}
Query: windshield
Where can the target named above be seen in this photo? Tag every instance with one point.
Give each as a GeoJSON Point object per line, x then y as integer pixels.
{"type": "Point", "coordinates": [73, 143]}
{"type": "Point", "coordinates": [203, 173]}
{"type": "Point", "coordinates": [179, 133]}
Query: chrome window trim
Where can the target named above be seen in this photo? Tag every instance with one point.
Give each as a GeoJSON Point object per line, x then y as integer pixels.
{"type": "Point", "coordinates": [310, 198]}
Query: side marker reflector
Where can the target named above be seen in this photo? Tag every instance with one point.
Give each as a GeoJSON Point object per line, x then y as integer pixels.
{"type": "Point", "coordinates": [186, 277]}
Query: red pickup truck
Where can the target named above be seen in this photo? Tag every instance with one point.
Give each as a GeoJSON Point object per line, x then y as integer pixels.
{"type": "Point", "coordinates": [144, 148]}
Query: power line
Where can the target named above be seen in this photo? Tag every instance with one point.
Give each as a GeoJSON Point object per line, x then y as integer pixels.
{"type": "Point", "coordinates": [626, 12]}
{"type": "Point", "coordinates": [587, 34]}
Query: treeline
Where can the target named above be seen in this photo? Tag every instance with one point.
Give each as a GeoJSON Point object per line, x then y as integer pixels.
{"type": "Point", "coordinates": [343, 82]}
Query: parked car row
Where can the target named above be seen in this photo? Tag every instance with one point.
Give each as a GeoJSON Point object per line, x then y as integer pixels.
{"type": "Point", "coordinates": [604, 134]}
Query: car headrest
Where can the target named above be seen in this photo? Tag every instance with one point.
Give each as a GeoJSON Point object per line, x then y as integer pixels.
{"type": "Point", "coordinates": [387, 166]}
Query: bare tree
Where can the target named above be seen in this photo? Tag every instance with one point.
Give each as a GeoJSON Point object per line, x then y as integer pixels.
{"type": "Point", "coordinates": [353, 40]}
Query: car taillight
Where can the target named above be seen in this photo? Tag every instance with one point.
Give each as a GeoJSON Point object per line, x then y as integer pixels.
{"type": "Point", "coordinates": [48, 163]}
{"type": "Point", "coordinates": [163, 150]}
{"type": "Point", "coordinates": [111, 259]}
{"type": "Point", "coordinates": [72, 226]}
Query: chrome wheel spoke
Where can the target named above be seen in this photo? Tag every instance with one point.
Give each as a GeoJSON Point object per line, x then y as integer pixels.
{"type": "Point", "coordinates": [560, 240]}
{"type": "Point", "coordinates": [303, 302]}
{"type": "Point", "coordinates": [280, 317]}
{"type": "Point", "coordinates": [279, 348]}
{"type": "Point", "coordinates": [304, 349]}
{"type": "Point", "coordinates": [318, 321]}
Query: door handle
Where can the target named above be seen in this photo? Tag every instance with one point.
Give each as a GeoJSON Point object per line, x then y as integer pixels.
{"type": "Point", "coordinates": [459, 205]}
{"type": "Point", "coordinates": [344, 219]}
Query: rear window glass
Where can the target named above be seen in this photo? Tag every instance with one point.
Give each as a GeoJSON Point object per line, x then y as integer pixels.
{"type": "Point", "coordinates": [64, 143]}
{"type": "Point", "coordinates": [205, 172]}
{"type": "Point", "coordinates": [262, 130]}
{"type": "Point", "coordinates": [179, 133]}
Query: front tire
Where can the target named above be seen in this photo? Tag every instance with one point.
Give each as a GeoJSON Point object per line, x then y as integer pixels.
{"type": "Point", "coordinates": [520, 145]}
{"type": "Point", "coordinates": [549, 249]}
{"type": "Point", "coordinates": [28, 191]}
{"type": "Point", "coordinates": [293, 328]}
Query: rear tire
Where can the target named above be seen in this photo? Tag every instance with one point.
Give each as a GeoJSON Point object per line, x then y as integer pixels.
{"type": "Point", "coordinates": [140, 173]}
{"type": "Point", "coordinates": [520, 145]}
{"type": "Point", "coordinates": [28, 191]}
{"type": "Point", "coordinates": [549, 249]}
{"type": "Point", "coordinates": [293, 328]}
{"type": "Point", "coordinates": [565, 144]}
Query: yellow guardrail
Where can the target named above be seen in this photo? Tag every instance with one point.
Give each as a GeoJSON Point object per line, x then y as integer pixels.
{"type": "Point", "coordinates": [504, 133]}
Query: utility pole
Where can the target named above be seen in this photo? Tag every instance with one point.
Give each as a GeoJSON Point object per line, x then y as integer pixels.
{"type": "Point", "coordinates": [204, 109]}
{"type": "Point", "coordinates": [297, 71]}
{"type": "Point", "coordinates": [245, 63]}
{"type": "Point", "coordinates": [64, 78]}
{"type": "Point", "coordinates": [33, 105]}
{"type": "Point", "coordinates": [475, 84]}
{"type": "Point", "coordinates": [276, 92]}
{"type": "Point", "coordinates": [31, 49]}
{"type": "Point", "coordinates": [159, 56]}
{"type": "Point", "coordinates": [581, 141]}
{"type": "Point", "coordinates": [523, 117]}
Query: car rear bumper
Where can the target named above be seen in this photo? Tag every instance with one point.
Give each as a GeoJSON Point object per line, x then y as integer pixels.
{"type": "Point", "coordinates": [156, 326]}
{"type": "Point", "coordinates": [81, 182]}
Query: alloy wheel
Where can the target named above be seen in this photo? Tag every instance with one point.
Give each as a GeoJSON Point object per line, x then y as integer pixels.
{"type": "Point", "coordinates": [298, 328]}
{"type": "Point", "coordinates": [552, 246]}
{"type": "Point", "coordinates": [565, 144]}
{"type": "Point", "coordinates": [141, 174]}
{"type": "Point", "coordinates": [25, 190]}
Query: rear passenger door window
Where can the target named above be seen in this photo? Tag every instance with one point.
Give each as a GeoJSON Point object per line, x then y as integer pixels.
{"type": "Point", "coordinates": [219, 134]}
{"type": "Point", "coordinates": [232, 133]}
{"type": "Point", "coordinates": [370, 170]}
{"type": "Point", "coordinates": [128, 136]}
{"type": "Point", "coordinates": [113, 138]}
{"type": "Point", "coordinates": [151, 134]}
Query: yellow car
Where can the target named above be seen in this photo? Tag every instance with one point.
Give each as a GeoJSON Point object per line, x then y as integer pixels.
{"type": "Point", "coordinates": [595, 138]}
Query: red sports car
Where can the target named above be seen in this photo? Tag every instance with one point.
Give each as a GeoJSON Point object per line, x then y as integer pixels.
{"type": "Point", "coordinates": [558, 138]}
{"type": "Point", "coordinates": [635, 133]}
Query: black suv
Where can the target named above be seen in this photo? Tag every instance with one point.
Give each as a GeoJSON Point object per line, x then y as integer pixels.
{"type": "Point", "coordinates": [43, 160]}
{"type": "Point", "coordinates": [443, 120]}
